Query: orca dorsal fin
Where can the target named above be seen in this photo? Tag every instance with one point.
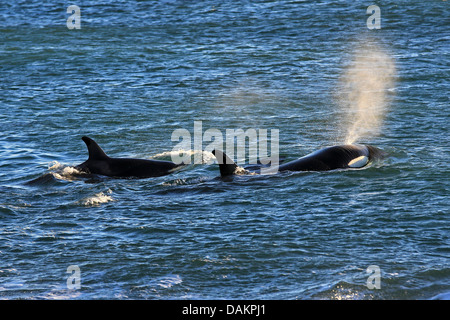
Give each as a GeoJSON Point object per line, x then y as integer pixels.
{"type": "Point", "coordinates": [226, 165]}
{"type": "Point", "coordinates": [95, 152]}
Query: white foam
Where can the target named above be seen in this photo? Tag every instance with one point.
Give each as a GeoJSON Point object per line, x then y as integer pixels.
{"type": "Point", "coordinates": [54, 165]}
{"type": "Point", "coordinates": [63, 172]}
{"type": "Point", "coordinates": [243, 171]}
{"type": "Point", "coordinates": [169, 281]}
{"type": "Point", "coordinates": [97, 199]}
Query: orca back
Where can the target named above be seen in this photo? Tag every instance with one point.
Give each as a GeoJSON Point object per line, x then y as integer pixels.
{"type": "Point", "coordinates": [101, 164]}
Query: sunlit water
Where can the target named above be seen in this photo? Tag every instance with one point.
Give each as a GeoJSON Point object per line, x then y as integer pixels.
{"type": "Point", "coordinates": [137, 71]}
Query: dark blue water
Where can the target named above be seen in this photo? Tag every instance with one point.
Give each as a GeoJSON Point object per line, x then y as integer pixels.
{"type": "Point", "coordinates": [138, 70]}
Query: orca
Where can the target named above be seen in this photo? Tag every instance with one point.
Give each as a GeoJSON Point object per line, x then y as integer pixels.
{"type": "Point", "coordinates": [350, 156]}
{"type": "Point", "coordinates": [100, 164]}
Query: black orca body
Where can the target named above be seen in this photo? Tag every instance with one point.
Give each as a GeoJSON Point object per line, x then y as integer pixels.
{"type": "Point", "coordinates": [99, 163]}
{"type": "Point", "coordinates": [330, 158]}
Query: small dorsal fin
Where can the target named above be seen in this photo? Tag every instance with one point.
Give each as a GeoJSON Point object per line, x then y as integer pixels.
{"type": "Point", "coordinates": [226, 165]}
{"type": "Point", "coordinates": [95, 152]}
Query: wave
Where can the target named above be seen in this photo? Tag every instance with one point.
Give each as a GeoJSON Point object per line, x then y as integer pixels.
{"type": "Point", "coordinates": [57, 172]}
{"type": "Point", "coordinates": [169, 281]}
{"type": "Point", "coordinates": [63, 172]}
{"type": "Point", "coordinates": [442, 296]}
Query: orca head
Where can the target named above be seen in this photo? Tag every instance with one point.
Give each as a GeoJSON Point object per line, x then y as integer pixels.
{"type": "Point", "coordinates": [375, 153]}
{"type": "Point", "coordinates": [369, 153]}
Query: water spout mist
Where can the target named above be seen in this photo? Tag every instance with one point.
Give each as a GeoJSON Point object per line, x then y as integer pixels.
{"type": "Point", "coordinates": [364, 97]}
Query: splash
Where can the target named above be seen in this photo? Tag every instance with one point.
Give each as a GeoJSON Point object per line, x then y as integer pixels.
{"type": "Point", "coordinates": [57, 171]}
{"type": "Point", "coordinates": [63, 172]}
{"type": "Point", "coordinates": [97, 199]}
{"type": "Point", "coordinates": [366, 91]}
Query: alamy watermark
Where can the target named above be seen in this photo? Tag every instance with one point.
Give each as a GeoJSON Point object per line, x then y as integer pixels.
{"type": "Point", "coordinates": [232, 142]}
{"type": "Point", "coordinates": [374, 280]}
{"type": "Point", "coordinates": [74, 280]}
{"type": "Point", "coordinates": [74, 21]}
{"type": "Point", "coordinates": [374, 21]}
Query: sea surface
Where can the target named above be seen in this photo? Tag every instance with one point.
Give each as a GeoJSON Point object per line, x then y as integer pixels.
{"type": "Point", "coordinates": [136, 71]}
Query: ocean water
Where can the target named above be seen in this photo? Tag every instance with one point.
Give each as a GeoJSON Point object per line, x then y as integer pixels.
{"type": "Point", "coordinates": [136, 71]}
